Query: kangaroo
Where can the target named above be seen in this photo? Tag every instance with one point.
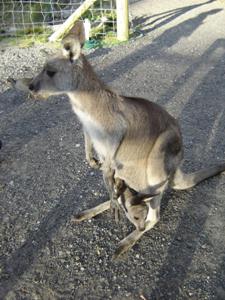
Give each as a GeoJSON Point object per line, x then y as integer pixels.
{"type": "Point", "coordinates": [135, 137]}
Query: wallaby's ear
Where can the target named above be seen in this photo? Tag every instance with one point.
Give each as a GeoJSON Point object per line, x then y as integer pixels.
{"type": "Point", "coordinates": [74, 41]}
{"type": "Point", "coordinates": [71, 49]}
{"type": "Point", "coordinates": [78, 32]}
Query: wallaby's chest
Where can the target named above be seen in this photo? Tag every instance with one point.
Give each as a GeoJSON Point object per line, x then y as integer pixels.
{"type": "Point", "coordinates": [100, 137]}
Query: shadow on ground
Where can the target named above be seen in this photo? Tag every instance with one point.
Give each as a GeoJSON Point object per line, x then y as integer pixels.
{"type": "Point", "coordinates": [162, 19]}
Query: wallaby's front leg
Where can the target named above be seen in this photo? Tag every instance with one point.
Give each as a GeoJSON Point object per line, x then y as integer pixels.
{"type": "Point", "coordinates": [89, 152]}
{"type": "Point", "coordinates": [113, 189]}
{"type": "Point", "coordinates": [92, 212]}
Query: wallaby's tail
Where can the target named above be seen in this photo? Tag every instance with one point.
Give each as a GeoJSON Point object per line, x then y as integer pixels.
{"type": "Point", "coordinates": [182, 181]}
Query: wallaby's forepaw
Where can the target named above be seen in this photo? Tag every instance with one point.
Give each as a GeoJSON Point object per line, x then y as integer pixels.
{"type": "Point", "coordinates": [94, 163]}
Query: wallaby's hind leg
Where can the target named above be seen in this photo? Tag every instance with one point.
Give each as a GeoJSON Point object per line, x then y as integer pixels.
{"type": "Point", "coordinates": [152, 218]}
{"type": "Point", "coordinates": [164, 159]}
{"type": "Point", "coordinates": [182, 181]}
{"type": "Point", "coordinates": [92, 212]}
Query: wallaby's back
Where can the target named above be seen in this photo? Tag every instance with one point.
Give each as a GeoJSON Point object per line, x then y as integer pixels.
{"type": "Point", "coordinates": [154, 128]}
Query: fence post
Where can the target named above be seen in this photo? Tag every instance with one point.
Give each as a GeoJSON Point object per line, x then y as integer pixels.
{"type": "Point", "coordinates": [122, 20]}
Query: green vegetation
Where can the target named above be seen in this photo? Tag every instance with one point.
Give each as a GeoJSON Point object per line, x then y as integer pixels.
{"type": "Point", "coordinates": [27, 37]}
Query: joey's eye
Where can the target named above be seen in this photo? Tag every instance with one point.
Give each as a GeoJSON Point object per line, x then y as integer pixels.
{"type": "Point", "coordinates": [50, 73]}
{"type": "Point", "coordinates": [136, 218]}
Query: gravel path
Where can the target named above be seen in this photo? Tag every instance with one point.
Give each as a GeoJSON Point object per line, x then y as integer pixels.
{"type": "Point", "coordinates": [179, 62]}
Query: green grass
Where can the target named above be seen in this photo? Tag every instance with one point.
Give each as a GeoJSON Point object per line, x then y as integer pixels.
{"type": "Point", "coordinates": [28, 37]}
{"type": "Point", "coordinates": [25, 41]}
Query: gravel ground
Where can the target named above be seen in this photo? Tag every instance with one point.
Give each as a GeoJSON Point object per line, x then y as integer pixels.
{"type": "Point", "coordinates": [179, 62]}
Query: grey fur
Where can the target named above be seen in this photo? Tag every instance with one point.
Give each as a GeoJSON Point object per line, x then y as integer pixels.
{"type": "Point", "coordinates": [134, 138]}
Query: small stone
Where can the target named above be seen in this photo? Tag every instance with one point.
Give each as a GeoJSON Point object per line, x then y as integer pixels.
{"type": "Point", "coordinates": [189, 244]}
{"type": "Point", "coordinates": [11, 183]}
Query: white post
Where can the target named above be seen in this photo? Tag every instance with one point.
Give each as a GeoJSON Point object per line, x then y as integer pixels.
{"type": "Point", "coordinates": [122, 20]}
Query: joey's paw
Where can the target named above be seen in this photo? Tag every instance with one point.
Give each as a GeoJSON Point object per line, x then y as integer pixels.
{"type": "Point", "coordinates": [121, 251]}
{"type": "Point", "coordinates": [94, 163]}
{"type": "Point", "coordinates": [78, 218]}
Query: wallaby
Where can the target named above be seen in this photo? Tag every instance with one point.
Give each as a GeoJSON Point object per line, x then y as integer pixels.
{"type": "Point", "coordinates": [135, 137]}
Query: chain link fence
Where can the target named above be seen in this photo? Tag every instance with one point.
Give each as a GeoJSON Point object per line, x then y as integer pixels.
{"type": "Point", "coordinates": [41, 18]}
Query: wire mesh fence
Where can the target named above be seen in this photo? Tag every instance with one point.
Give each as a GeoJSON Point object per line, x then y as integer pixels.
{"type": "Point", "coordinates": [32, 18]}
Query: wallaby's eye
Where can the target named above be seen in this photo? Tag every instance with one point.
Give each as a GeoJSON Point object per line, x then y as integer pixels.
{"type": "Point", "coordinates": [67, 47]}
{"type": "Point", "coordinates": [136, 218]}
{"type": "Point", "coordinates": [50, 73]}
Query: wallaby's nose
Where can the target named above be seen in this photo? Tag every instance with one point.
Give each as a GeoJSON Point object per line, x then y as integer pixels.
{"type": "Point", "coordinates": [34, 87]}
{"type": "Point", "coordinates": [31, 87]}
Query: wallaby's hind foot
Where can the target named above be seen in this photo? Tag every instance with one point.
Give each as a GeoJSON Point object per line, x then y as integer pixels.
{"type": "Point", "coordinates": [90, 213]}
{"type": "Point", "coordinates": [182, 181]}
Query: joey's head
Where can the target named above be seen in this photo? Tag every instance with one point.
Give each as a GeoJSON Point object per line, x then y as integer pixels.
{"type": "Point", "coordinates": [137, 213]}
{"type": "Point", "coordinates": [60, 74]}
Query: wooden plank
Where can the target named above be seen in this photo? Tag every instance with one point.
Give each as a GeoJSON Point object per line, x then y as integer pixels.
{"type": "Point", "coordinates": [68, 24]}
